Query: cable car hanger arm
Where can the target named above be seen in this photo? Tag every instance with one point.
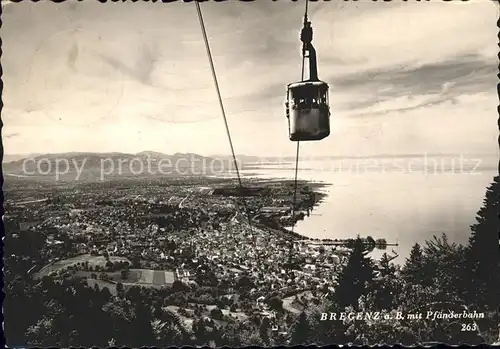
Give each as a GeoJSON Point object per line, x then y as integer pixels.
{"type": "Point", "coordinates": [306, 36]}
{"type": "Point", "coordinates": [313, 68]}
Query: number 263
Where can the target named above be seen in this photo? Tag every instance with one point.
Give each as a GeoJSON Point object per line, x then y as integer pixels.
{"type": "Point", "coordinates": [469, 327]}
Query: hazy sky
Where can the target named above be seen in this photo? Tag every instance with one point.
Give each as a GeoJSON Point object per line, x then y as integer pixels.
{"type": "Point", "coordinates": [404, 77]}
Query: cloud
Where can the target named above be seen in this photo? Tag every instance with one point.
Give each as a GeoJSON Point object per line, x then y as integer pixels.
{"type": "Point", "coordinates": [142, 67]}
{"type": "Point", "coordinates": [430, 83]}
{"type": "Point", "coordinates": [409, 34]}
{"type": "Point", "coordinates": [427, 77]}
{"type": "Point", "coordinates": [124, 67]}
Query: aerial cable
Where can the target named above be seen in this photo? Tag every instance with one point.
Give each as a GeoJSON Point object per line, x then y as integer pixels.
{"type": "Point", "coordinates": [298, 145]}
{"type": "Point", "coordinates": [221, 104]}
{"type": "Point", "coordinates": [298, 142]}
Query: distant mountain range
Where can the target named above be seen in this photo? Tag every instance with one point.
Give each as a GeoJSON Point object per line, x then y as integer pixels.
{"type": "Point", "coordinates": [277, 159]}
{"type": "Point", "coordinates": [92, 166]}
{"type": "Point", "coordinates": [19, 158]}
{"type": "Point", "coordinates": [15, 157]}
{"type": "Point", "coordinates": [242, 159]}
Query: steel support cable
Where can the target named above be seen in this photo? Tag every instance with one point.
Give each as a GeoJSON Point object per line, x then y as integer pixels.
{"type": "Point", "coordinates": [298, 147]}
{"type": "Point", "coordinates": [297, 162]}
{"type": "Point", "coordinates": [221, 104]}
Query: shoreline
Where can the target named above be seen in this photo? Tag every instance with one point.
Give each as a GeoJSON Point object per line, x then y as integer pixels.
{"type": "Point", "coordinates": [319, 197]}
{"type": "Point", "coordinates": [317, 187]}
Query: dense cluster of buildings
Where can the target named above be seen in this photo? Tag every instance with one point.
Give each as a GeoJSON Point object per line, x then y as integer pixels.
{"type": "Point", "coordinates": [185, 229]}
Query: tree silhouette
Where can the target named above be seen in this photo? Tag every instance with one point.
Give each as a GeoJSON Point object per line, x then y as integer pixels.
{"type": "Point", "coordinates": [355, 276]}
{"type": "Point", "coordinates": [43, 333]}
{"type": "Point", "coordinates": [206, 277]}
{"type": "Point", "coordinates": [120, 289]}
{"type": "Point", "coordinates": [275, 303]}
{"type": "Point", "coordinates": [482, 287]}
{"type": "Point", "coordinates": [119, 316]}
{"type": "Point", "coordinates": [385, 286]}
{"type": "Point", "coordinates": [200, 332]}
{"type": "Point", "coordinates": [216, 313]}
{"type": "Point", "coordinates": [264, 327]}
{"type": "Point", "coordinates": [244, 283]}
{"type": "Point", "coordinates": [326, 332]}
{"type": "Point", "coordinates": [412, 270]}
{"type": "Point", "coordinates": [141, 326]}
{"type": "Point", "coordinates": [482, 252]}
{"type": "Point", "coordinates": [301, 331]}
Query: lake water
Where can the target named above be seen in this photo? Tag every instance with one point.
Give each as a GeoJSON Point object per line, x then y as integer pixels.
{"type": "Point", "coordinates": [403, 200]}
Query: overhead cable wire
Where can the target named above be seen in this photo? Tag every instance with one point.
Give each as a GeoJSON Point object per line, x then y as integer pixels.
{"type": "Point", "coordinates": [221, 104]}
{"type": "Point", "coordinates": [294, 202]}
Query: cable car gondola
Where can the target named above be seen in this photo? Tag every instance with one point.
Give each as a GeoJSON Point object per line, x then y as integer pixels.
{"type": "Point", "coordinates": [307, 108]}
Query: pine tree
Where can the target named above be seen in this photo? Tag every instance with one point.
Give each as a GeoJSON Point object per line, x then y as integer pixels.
{"type": "Point", "coordinates": [482, 253]}
{"type": "Point", "coordinates": [355, 276]}
{"type": "Point", "coordinates": [385, 286]}
{"type": "Point", "coordinates": [199, 331]}
{"type": "Point", "coordinates": [141, 326]}
{"type": "Point", "coordinates": [301, 331]}
{"type": "Point", "coordinates": [482, 262]}
{"type": "Point", "coordinates": [444, 269]}
{"type": "Point", "coordinates": [264, 330]}
{"type": "Point", "coordinates": [386, 268]}
{"type": "Point", "coordinates": [413, 269]}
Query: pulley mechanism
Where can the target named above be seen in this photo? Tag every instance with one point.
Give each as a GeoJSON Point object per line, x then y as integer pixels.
{"type": "Point", "coordinates": [307, 107]}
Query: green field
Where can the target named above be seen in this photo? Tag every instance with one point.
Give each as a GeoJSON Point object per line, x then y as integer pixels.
{"type": "Point", "coordinates": [92, 260]}
{"type": "Point", "coordinates": [142, 277]}
{"type": "Point", "coordinates": [155, 277]}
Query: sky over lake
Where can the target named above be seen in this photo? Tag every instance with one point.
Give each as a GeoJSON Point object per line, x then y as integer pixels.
{"type": "Point", "coordinates": [404, 77]}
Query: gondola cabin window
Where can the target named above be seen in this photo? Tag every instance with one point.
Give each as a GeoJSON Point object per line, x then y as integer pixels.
{"type": "Point", "coordinates": [308, 96]}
